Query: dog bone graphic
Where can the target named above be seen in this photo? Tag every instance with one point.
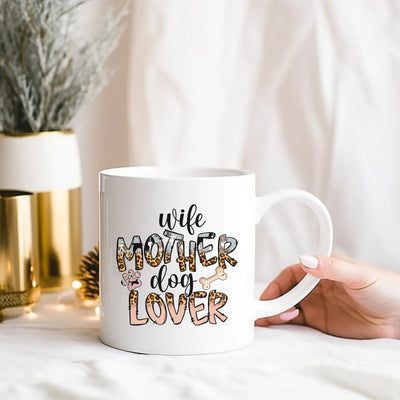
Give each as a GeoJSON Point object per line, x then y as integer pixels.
{"type": "Point", "coordinates": [219, 274]}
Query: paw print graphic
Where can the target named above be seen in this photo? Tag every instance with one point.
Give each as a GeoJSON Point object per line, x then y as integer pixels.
{"type": "Point", "coordinates": [131, 280]}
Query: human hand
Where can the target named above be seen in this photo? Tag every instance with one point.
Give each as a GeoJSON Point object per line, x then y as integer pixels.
{"type": "Point", "coordinates": [352, 300]}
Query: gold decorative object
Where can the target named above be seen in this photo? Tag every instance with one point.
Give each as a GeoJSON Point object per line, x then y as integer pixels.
{"type": "Point", "coordinates": [48, 165]}
{"type": "Point", "coordinates": [19, 275]}
{"type": "Point", "coordinates": [88, 276]}
{"type": "Point", "coordinates": [59, 221]}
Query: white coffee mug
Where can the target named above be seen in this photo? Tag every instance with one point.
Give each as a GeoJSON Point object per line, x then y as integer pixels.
{"type": "Point", "coordinates": [177, 258]}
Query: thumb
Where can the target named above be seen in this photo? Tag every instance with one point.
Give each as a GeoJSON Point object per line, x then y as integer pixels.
{"type": "Point", "coordinates": [350, 272]}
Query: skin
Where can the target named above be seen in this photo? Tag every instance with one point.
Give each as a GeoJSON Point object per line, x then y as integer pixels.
{"type": "Point", "coordinates": [353, 299]}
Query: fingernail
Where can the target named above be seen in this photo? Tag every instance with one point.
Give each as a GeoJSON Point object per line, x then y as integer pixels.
{"type": "Point", "coordinates": [309, 261]}
{"type": "Point", "coordinates": [289, 315]}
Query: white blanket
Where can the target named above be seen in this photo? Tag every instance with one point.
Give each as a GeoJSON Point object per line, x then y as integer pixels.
{"type": "Point", "coordinates": [55, 353]}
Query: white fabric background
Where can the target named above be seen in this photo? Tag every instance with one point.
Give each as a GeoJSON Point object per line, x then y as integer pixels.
{"type": "Point", "coordinates": [306, 93]}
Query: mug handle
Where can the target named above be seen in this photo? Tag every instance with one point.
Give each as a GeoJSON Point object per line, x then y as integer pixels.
{"type": "Point", "coordinates": [267, 308]}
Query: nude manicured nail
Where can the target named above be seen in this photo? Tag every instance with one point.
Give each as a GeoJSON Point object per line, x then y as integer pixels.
{"type": "Point", "coordinates": [289, 315]}
{"type": "Point", "coordinates": [309, 261]}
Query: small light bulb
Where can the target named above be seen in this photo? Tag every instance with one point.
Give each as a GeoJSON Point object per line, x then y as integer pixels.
{"type": "Point", "coordinates": [76, 285]}
{"type": "Point", "coordinates": [29, 313]}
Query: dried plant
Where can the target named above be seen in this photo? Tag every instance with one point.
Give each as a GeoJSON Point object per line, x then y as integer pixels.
{"type": "Point", "coordinates": [46, 72]}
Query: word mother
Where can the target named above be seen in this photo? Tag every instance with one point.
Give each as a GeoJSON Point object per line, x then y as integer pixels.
{"type": "Point", "coordinates": [163, 251]}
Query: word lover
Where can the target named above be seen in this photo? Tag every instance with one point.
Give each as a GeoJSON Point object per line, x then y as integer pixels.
{"type": "Point", "coordinates": [156, 308]}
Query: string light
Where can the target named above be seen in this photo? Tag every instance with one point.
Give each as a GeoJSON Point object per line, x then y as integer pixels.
{"type": "Point", "coordinates": [76, 285]}
{"type": "Point", "coordinates": [29, 313]}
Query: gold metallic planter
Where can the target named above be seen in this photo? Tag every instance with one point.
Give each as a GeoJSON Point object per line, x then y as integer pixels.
{"type": "Point", "coordinates": [48, 165]}
{"type": "Point", "coordinates": [59, 221]}
{"type": "Point", "coordinates": [18, 250]}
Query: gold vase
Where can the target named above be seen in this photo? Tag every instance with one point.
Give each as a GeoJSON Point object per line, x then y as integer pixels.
{"type": "Point", "coordinates": [19, 274]}
{"type": "Point", "coordinates": [59, 221]}
{"type": "Point", "coordinates": [48, 165]}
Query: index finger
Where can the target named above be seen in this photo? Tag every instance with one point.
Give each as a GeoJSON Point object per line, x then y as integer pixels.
{"type": "Point", "coordinates": [285, 281]}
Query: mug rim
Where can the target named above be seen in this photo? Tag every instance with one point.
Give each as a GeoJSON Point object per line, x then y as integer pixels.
{"type": "Point", "coordinates": [174, 173]}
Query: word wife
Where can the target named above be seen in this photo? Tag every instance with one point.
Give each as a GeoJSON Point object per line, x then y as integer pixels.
{"type": "Point", "coordinates": [184, 220]}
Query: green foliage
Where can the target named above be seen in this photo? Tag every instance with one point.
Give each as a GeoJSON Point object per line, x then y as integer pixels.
{"type": "Point", "coordinates": [46, 72]}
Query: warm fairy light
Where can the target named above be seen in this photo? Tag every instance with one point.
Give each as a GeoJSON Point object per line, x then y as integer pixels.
{"type": "Point", "coordinates": [29, 313]}
{"type": "Point", "coordinates": [34, 284]}
{"type": "Point", "coordinates": [76, 285]}
{"type": "Point", "coordinates": [96, 315]}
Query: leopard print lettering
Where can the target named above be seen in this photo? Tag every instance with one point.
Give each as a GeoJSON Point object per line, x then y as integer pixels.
{"type": "Point", "coordinates": [139, 258]}
{"type": "Point", "coordinates": [213, 306]}
{"type": "Point", "coordinates": [203, 250]}
{"type": "Point", "coordinates": [154, 239]}
{"type": "Point", "coordinates": [176, 316]}
{"type": "Point", "coordinates": [123, 252]}
{"type": "Point", "coordinates": [133, 298]}
{"type": "Point", "coordinates": [150, 300]}
{"type": "Point", "coordinates": [181, 260]}
{"type": "Point", "coordinates": [172, 237]}
{"type": "Point", "coordinates": [133, 310]}
{"type": "Point", "coordinates": [223, 250]}
{"type": "Point", "coordinates": [204, 261]}
{"type": "Point", "coordinates": [193, 309]}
